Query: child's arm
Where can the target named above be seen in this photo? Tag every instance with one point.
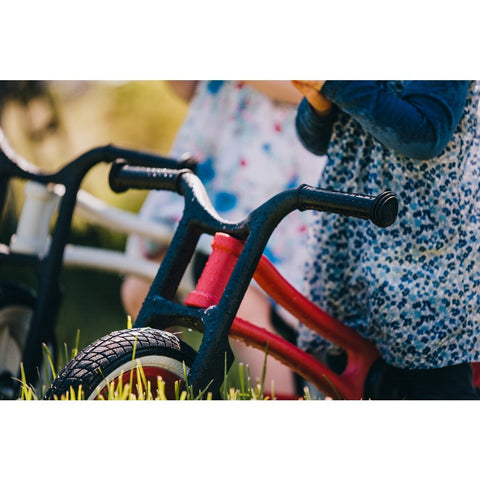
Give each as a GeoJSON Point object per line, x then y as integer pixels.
{"type": "Point", "coordinates": [311, 89]}
{"type": "Point", "coordinates": [418, 123]}
{"type": "Point", "coordinates": [183, 88]}
{"type": "Point", "coordinates": [279, 90]}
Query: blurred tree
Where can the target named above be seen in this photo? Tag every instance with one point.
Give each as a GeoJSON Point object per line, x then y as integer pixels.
{"type": "Point", "coordinates": [35, 98]}
{"type": "Point", "coordinates": [52, 122]}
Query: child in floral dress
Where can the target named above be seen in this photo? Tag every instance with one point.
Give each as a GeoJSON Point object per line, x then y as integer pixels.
{"type": "Point", "coordinates": [413, 288]}
{"type": "Point", "coordinates": [243, 136]}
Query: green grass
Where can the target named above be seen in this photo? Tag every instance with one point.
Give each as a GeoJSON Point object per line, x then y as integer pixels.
{"type": "Point", "coordinates": [139, 388]}
{"type": "Point", "coordinates": [237, 384]}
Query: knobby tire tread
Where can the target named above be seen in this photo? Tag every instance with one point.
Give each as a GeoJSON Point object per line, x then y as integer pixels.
{"type": "Point", "coordinates": [103, 356]}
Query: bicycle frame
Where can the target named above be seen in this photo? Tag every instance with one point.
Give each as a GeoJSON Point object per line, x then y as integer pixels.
{"type": "Point", "coordinates": [97, 212]}
{"type": "Point", "coordinates": [32, 246]}
{"type": "Point", "coordinates": [361, 353]}
{"type": "Point", "coordinates": [237, 257]}
{"type": "Point", "coordinates": [32, 233]}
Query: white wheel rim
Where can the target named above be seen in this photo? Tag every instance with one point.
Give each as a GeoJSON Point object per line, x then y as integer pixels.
{"type": "Point", "coordinates": [157, 361]}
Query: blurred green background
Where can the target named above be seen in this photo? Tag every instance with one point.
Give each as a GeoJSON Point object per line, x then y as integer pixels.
{"type": "Point", "coordinates": [52, 122]}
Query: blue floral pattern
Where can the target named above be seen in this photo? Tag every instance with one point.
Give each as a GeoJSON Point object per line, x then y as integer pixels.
{"type": "Point", "coordinates": [413, 288]}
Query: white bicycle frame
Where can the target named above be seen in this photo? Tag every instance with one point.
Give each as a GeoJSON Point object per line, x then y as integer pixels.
{"type": "Point", "coordinates": [40, 204]}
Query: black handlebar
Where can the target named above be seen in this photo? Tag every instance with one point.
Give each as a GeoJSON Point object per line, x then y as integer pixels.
{"type": "Point", "coordinates": [145, 159]}
{"type": "Point", "coordinates": [381, 209]}
{"type": "Point", "coordinates": [124, 176]}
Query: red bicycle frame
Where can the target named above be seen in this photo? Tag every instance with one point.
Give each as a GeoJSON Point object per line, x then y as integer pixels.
{"type": "Point", "coordinates": [237, 247]}
{"type": "Point", "coordinates": [361, 353]}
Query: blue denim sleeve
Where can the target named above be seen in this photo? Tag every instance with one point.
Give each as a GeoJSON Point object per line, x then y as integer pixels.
{"type": "Point", "coordinates": [417, 123]}
{"type": "Point", "coordinates": [314, 131]}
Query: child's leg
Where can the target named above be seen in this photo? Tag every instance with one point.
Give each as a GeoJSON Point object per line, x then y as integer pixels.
{"type": "Point", "coordinates": [133, 291]}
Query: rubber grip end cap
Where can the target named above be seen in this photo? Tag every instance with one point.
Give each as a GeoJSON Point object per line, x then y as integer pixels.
{"type": "Point", "coordinates": [384, 209]}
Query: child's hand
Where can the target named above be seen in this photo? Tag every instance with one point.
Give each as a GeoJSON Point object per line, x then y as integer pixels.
{"type": "Point", "coordinates": [311, 90]}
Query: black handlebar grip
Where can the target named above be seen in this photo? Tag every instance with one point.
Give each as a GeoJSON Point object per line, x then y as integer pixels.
{"type": "Point", "coordinates": [144, 159]}
{"type": "Point", "coordinates": [185, 161]}
{"type": "Point", "coordinates": [384, 210]}
{"type": "Point", "coordinates": [123, 176]}
{"type": "Point", "coordinates": [381, 210]}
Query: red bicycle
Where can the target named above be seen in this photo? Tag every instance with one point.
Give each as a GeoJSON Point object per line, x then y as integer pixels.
{"type": "Point", "coordinates": [236, 258]}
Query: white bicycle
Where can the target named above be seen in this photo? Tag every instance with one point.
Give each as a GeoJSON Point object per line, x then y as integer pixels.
{"type": "Point", "coordinates": [28, 314]}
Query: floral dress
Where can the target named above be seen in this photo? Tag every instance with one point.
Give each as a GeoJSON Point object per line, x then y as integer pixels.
{"type": "Point", "coordinates": [248, 151]}
{"type": "Point", "coordinates": [413, 288]}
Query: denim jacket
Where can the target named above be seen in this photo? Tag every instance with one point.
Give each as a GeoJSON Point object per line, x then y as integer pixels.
{"type": "Point", "coordinates": [416, 122]}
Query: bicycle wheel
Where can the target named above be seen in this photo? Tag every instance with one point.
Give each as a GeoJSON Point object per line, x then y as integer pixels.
{"type": "Point", "coordinates": [16, 311]}
{"type": "Point", "coordinates": [115, 356]}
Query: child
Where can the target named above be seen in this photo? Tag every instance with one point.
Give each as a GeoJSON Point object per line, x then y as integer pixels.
{"type": "Point", "coordinates": [243, 135]}
{"type": "Point", "coordinates": [413, 288]}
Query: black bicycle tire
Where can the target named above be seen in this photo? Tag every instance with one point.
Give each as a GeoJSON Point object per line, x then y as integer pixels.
{"type": "Point", "coordinates": [115, 351]}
